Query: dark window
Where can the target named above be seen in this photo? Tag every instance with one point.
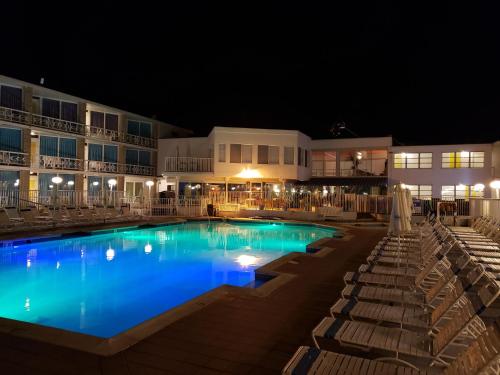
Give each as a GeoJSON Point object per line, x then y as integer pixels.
{"type": "Point", "coordinates": [97, 119]}
{"type": "Point", "coordinates": [111, 122]}
{"type": "Point", "coordinates": [235, 153]}
{"type": "Point", "coordinates": [51, 108]}
{"type": "Point", "coordinates": [300, 155]}
{"type": "Point", "coordinates": [11, 97]}
{"type": "Point", "coordinates": [69, 111]}
{"type": "Point", "coordinates": [262, 154]}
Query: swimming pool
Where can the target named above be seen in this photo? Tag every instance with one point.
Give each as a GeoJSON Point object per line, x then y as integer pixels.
{"type": "Point", "coordinates": [104, 284]}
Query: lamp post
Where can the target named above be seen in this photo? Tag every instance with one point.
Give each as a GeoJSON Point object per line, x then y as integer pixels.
{"type": "Point", "coordinates": [495, 185]}
{"type": "Point", "coordinates": [111, 182]}
{"type": "Point", "coordinates": [56, 181]}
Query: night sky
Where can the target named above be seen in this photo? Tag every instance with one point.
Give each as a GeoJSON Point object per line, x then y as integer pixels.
{"type": "Point", "coordinates": [425, 73]}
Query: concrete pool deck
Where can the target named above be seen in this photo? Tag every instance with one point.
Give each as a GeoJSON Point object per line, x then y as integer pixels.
{"type": "Point", "coordinates": [240, 333]}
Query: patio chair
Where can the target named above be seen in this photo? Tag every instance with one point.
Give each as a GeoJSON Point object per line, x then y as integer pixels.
{"type": "Point", "coordinates": [482, 356]}
{"type": "Point", "coordinates": [460, 326]}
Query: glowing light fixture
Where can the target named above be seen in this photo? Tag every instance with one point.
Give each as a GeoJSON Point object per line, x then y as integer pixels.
{"type": "Point", "coordinates": [249, 173]}
{"type": "Point", "coordinates": [247, 260]}
{"type": "Point", "coordinates": [149, 183]}
{"type": "Point", "coordinates": [479, 187]}
{"type": "Point", "coordinates": [95, 183]}
{"type": "Point", "coordinates": [495, 184]}
{"type": "Point", "coordinates": [71, 183]}
{"type": "Point", "coordinates": [56, 180]}
{"type": "Point", "coordinates": [359, 155]}
{"type": "Point", "coordinates": [112, 182]}
{"type": "Point", "coordinates": [148, 249]}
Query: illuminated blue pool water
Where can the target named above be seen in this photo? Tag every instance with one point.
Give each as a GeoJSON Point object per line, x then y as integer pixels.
{"type": "Point", "coordinates": [107, 283]}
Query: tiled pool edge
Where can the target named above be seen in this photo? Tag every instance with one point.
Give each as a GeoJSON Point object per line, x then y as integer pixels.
{"type": "Point", "coordinates": [109, 346]}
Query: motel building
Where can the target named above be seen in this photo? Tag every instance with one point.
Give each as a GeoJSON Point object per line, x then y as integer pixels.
{"type": "Point", "coordinates": [262, 161]}
{"type": "Point", "coordinates": [90, 148]}
{"type": "Point", "coordinates": [52, 142]}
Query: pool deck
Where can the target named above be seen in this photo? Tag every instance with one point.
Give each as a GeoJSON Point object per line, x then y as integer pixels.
{"type": "Point", "coordinates": [239, 333]}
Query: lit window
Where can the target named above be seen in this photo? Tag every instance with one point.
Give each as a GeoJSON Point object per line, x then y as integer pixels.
{"type": "Point", "coordinates": [452, 192]}
{"type": "Point", "coordinates": [462, 159]}
{"type": "Point", "coordinates": [413, 160]}
{"type": "Point", "coordinates": [268, 154]}
{"type": "Point", "coordinates": [420, 191]}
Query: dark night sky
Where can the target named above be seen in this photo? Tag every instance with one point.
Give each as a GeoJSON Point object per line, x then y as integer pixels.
{"type": "Point", "coordinates": [419, 72]}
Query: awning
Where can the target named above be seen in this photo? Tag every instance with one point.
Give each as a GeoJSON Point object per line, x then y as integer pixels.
{"type": "Point", "coordinates": [347, 181]}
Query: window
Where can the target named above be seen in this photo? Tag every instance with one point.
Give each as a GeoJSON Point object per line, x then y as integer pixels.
{"type": "Point", "coordinates": [262, 154]}
{"type": "Point", "coordinates": [222, 153]}
{"type": "Point", "coordinates": [300, 156]}
{"type": "Point", "coordinates": [246, 153]}
{"type": "Point", "coordinates": [289, 157]}
{"type": "Point", "coordinates": [420, 191]}
{"type": "Point", "coordinates": [45, 182]}
{"type": "Point", "coordinates": [452, 192]}
{"type": "Point", "coordinates": [306, 158]}
{"type": "Point", "coordinates": [95, 184]}
{"type": "Point", "coordinates": [462, 159]}
{"type": "Point", "coordinates": [103, 120]}
{"type": "Point", "coordinates": [137, 157]}
{"type": "Point", "coordinates": [274, 155]}
{"type": "Point", "coordinates": [235, 153]}
{"type": "Point", "coordinates": [9, 180]}
{"type": "Point", "coordinates": [10, 140]}
{"type": "Point", "coordinates": [139, 128]}
{"type": "Point", "coordinates": [11, 97]}
{"type": "Point", "coordinates": [324, 163]}
{"type": "Point", "coordinates": [54, 146]}
{"type": "Point", "coordinates": [105, 153]}
{"type": "Point", "coordinates": [413, 160]}
{"type": "Point", "coordinates": [268, 154]}
{"type": "Point", "coordinates": [59, 109]}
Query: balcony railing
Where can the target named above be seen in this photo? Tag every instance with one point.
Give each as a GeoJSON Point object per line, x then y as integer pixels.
{"type": "Point", "coordinates": [31, 119]}
{"type": "Point", "coordinates": [188, 164]}
{"type": "Point", "coordinates": [18, 159]}
{"type": "Point", "coordinates": [116, 168]}
{"type": "Point", "coordinates": [58, 162]}
{"type": "Point", "coordinates": [113, 135]}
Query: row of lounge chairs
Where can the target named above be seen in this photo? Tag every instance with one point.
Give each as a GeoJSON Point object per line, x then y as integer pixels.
{"type": "Point", "coordinates": [424, 303]}
{"type": "Point", "coordinates": [12, 219]}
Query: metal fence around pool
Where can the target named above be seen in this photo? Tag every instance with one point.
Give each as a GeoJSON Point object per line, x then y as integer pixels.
{"type": "Point", "coordinates": [237, 200]}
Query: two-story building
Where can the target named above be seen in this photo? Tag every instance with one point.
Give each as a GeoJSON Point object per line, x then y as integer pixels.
{"type": "Point", "coordinates": [235, 159]}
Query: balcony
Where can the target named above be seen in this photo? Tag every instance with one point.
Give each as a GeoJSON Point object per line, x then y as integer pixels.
{"type": "Point", "coordinates": [27, 118]}
{"type": "Point", "coordinates": [116, 136]}
{"type": "Point", "coordinates": [185, 164]}
{"type": "Point", "coordinates": [117, 168]}
{"type": "Point", "coordinates": [31, 119]}
{"type": "Point", "coordinates": [17, 159]}
{"type": "Point", "coordinates": [58, 162]}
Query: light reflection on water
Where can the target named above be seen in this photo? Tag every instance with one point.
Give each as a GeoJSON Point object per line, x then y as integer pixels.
{"type": "Point", "coordinates": [105, 284]}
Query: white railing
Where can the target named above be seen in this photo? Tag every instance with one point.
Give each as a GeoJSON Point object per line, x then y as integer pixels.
{"type": "Point", "coordinates": [141, 170]}
{"type": "Point", "coordinates": [189, 164]}
{"type": "Point", "coordinates": [32, 119]}
{"type": "Point", "coordinates": [191, 207]}
{"type": "Point", "coordinates": [27, 118]}
{"type": "Point", "coordinates": [57, 198]}
{"type": "Point", "coordinates": [113, 135]}
{"type": "Point", "coordinates": [14, 158]}
{"type": "Point", "coordinates": [485, 207]}
{"type": "Point", "coordinates": [58, 162]}
{"type": "Point", "coordinates": [101, 166]}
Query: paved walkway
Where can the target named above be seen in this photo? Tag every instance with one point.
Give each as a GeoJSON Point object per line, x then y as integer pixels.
{"type": "Point", "coordinates": [237, 334]}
